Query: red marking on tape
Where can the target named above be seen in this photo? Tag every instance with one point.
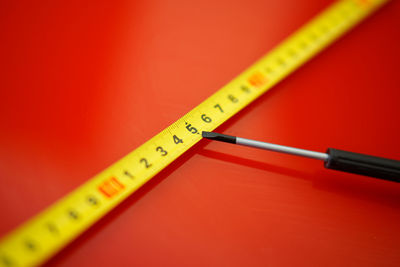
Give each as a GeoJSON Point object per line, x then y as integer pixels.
{"type": "Point", "coordinates": [257, 79]}
{"type": "Point", "coordinates": [364, 3]}
{"type": "Point", "coordinates": [111, 187]}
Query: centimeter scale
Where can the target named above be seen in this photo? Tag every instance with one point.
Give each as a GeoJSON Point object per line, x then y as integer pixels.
{"type": "Point", "coordinates": [45, 234]}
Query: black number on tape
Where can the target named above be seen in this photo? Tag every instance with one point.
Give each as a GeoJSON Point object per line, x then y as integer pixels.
{"type": "Point", "coordinates": [292, 53]}
{"type": "Point", "coordinates": [177, 140]}
{"type": "Point", "coordinates": [233, 98]}
{"type": "Point", "coordinates": [205, 118]}
{"type": "Point", "coordinates": [269, 70]}
{"type": "Point", "coordinates": [145, 162]}
{"type": "Point", "coordinates": [190, 128]}
{"type": "Point", "coordinates": [303, 45]}
{"type": "Point", "coordinates": [281, 62]}
{"type": "Point", "coordinates": [92, 200]}
{"type": "Point", "coordinates": [219, 107]}
{"type": "Point", "coordinates": [128, 174]}
{"type": "Point", "coordinates": [245, 89]}
{"type": "Point", "coordinates": [6, 261]}
{"type": "Point", "coordinates": [52, 228]}
{"type": "Point", "coordinates": [163, 152]}
{"type": "Point", "coordinates": [30, 245]}
{"type": "Point", "coordinates": [73, 214]}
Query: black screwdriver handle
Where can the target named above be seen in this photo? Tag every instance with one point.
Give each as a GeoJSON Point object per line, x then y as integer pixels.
{"type": "Point", "coordinates": [387, 169]}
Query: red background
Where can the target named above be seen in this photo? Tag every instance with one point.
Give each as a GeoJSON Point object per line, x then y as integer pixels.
{"type": "Point", "coordinates": [84, 83]}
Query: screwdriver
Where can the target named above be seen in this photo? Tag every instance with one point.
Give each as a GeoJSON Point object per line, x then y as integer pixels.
{"type": "Point", "coordinates": [335, 159]}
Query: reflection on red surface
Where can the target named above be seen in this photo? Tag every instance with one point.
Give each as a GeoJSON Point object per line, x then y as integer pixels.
{"type": "Point", "coordinates": [85, 83]}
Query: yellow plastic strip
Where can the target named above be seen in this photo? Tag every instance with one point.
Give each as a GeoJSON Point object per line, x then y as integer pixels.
{"type": "Point", "coordinates": [44, 235]}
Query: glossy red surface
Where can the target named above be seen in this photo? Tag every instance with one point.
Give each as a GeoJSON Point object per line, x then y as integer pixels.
{"type": "Point", "coordinates": [84, 83]}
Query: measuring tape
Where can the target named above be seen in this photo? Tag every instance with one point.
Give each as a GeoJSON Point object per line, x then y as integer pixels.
{"type": "Point", "coordinates": [44, 235]}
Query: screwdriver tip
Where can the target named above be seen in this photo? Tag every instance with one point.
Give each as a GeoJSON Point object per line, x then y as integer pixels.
{"type": "Point", "coordinates": [208, 135]}
{"type": "Point", "coordinates": [219, 137]}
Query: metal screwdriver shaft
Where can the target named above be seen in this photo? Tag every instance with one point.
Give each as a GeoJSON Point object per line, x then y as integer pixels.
{"type": "Point", "coordinates": [266, 146]}
{"type": "Point", "coordinates": [336, 159]}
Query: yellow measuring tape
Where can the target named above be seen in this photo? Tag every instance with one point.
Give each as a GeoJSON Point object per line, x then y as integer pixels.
{"type": "Point", "coordinates": [44, 235]}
